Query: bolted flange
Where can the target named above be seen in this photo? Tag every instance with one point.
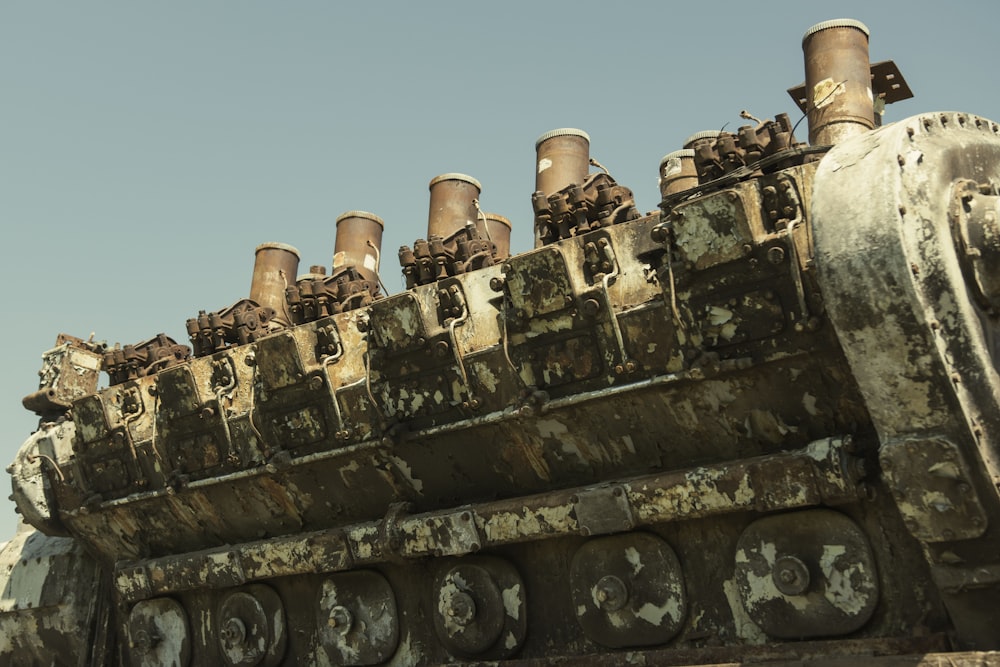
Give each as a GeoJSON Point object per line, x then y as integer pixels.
{"type": "Point", "coordinates": [975, 219]}
{"type": "Point", "coordinates": [790, 575]}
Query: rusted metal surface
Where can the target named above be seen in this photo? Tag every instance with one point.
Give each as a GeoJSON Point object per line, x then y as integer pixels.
{"type": "Point", "coordinates": [826, 473]}
{"type": "Point", "coordinates": [497, 228]}
{"type": "Point", "coordinates": [275, 267]}
{"type": "Point", "coordinates": [353, 282]}
{"type": "Point", "coordinates": [359, 243]}
{"type": "Point", "coordinates": [839, 97]}
{"type": "Point", "coordinates": [760, 424]}
{"type": "Point", "coordinates": [458, 234]}
{"type": "Point", "coordinates": [52, 600]}
{"type": "Point", "coordinates": [677, 172]}
{"type": "Point", "coordinates": [922, 350]}
{"type": "Point", "coordinates": [562, 158]}
{"type": "Point", "coordinates": [70, 370]}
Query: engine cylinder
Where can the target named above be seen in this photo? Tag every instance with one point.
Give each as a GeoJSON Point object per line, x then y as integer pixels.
{"type": "Point", "coordinates": [275, 267]}
{"type": "Point", "coordinates": [359, 243]}
{"type": "Point", "coordinates": [452, 204]}
{"type": "Point", "coordinates": [838, 81]}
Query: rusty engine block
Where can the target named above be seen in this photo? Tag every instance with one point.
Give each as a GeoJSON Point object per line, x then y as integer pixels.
{"type": "Point", "coordinates": [758, 424]}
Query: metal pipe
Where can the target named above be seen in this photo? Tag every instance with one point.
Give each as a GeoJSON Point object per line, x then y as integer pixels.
{"type": "Point", "coordinates": [453, 204]}
{"type": "Point", "coordinates": [677, 172]}
{"type": "Point", "coordinates": [275, 267]}
{"type": "Point", "coordinates": [359, 242]}
{"type": "Point", "coordinates": [562, 157]}
{"type": "Point", "coordinates": [497, 229]}
{"type": "Point", "coordinates": [839, 98]}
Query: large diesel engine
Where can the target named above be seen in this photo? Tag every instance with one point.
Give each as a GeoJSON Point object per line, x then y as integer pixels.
{"type": "Point", "coordinates": [759, 424]}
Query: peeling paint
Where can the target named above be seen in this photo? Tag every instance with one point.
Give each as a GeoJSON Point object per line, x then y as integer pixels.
{"type": "Point", "coordinates": [512, 601]}
{"type": "Point", "coordinates": [744, 626]}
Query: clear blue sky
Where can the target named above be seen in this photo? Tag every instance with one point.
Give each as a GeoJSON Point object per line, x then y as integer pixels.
{"type": "Point", "coordinates": [146, 149]}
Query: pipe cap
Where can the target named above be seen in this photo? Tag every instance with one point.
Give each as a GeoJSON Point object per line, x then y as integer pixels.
{"type": "Point", "coordinates": [498, 218]}
{"type": "Point", "coordinates": [836, 23]}
{"type": "Point", "coordinates": [704, 134]}
{"type": "Point", "coordinates": [278, 246]}
{"type": "Point", "coordinates": [684, 152]}
{"type": "Point", "coordinates": [360, 214]}
{"type": "Point", "coordinates": [561, 132]}
{"type": "Point", "coordinates": [455, 177]}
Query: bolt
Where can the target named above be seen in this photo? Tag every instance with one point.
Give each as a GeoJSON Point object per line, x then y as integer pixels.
{"type": "Point", "coordinates": [776, 255]}
{"type": "Point", "coordinates": [461, 608]}
{"type": "Point", "coordinates": [233, 632]}
{"type": "Point", "coordinates": [143, 642]}
{"type": "Point", "coordinates": [790, 575]}
{"type": "Point", "coordinates": [611, 593]}
{"type": "Point", "coordinates": [340, 618]}
{"type": "Point", "coordinates": [316, 382]}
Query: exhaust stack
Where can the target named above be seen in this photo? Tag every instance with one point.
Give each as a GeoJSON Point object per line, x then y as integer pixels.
{"type": "Point", "coordinates": [275, 268]}
{"type": "Point", "coordinates": [496, 229]}
{"type": "Point", "coordinates": [562, 158]}
{"type": "Point", "coordinates": [452, 204]}
{"type": "Point", "coordinates": [838, 91]}
{"type": "Point", "coordinates": [359, 243]}
{"type": "Point", "coordinates": [677, 172]}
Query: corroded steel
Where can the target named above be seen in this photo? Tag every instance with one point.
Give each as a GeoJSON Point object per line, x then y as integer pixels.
{"type": "Point", "coordinates": [275, 267]}
{"type": "Point", "coordinates": [562, 157]}
{"type": "Point", "coordinates": [839, 98]}
{"type": "Point", "coordinates": [760, 424]}
{"type": "Point", "coordinates": [359, 243]}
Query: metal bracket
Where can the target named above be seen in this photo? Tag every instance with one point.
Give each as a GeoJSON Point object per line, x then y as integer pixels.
{"type": "Point", "coordinates": [452, 534]}
{"type": "Point", "coordinates": [603, 510]}
{"type": "Point", "coordinates": [933, 488]}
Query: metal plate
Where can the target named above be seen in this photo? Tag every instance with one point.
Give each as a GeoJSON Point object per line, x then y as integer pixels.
{"type": "Point", "coordinates": [251, 627]}
{"type": "Point", "coordinates": [932, 486]}
{"type": "Point", "coordinates": [158, 634]}
{"type": "Point", "coordinates": [628, 590]}
{"type": "Point", "coordinates": [357, 619]}
{"type": "Point", "coordinates": [479, 608]}
{"type": "Point", "coordinates": [806, 574]}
